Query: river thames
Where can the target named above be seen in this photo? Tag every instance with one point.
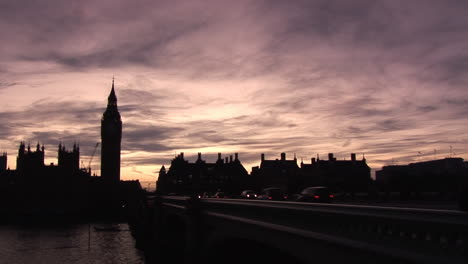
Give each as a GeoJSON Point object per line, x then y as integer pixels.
{"type": "Point", "coordinates": [78, 243]}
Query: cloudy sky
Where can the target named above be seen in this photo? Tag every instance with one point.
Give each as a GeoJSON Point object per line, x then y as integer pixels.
{"type": "Point", "coordinates": [387, 79]}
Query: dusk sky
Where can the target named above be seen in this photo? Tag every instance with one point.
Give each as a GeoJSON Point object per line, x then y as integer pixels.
{"type": "Point", "coordinates": [387, 79]}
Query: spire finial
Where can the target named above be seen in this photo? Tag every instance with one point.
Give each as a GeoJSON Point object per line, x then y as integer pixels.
{"type": "Point", "coordinates": [112, 99]}
{"type": "Point", "coordinates": [113, 77]}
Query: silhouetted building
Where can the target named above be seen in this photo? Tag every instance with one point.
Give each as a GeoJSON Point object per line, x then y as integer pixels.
{"type": "Point", "coordinates": [339, 175]}
{"type": "Point", "coordinates": [443, 175]}
{"type": "Point", "coordinates": [394, 177]}
{"type": "Point", "coordinates": [69, 159]}
{"type": "Point", "coordinates": [184, 177]}
{"type": "Point", "coordinates": [3, 162]}
{"type": "Point", "coordinates": [160, 183]}
{"type": "Point", "coordinates": [111, 136]}
{"type": "Point", "coordinates": [30, 164]}
{"type": "Point", "coordinates": [6, 184]}
{"type": "Point", "coordinates": [280, 173]}
{"type": "Point", "coordinates": [346, 175]}
{"type": "Point", "coordinates": [45, 189]}
{"type": "Point", "coordinates": [28, 160]}
{"type": "Point", "coordinates": [65, 189]}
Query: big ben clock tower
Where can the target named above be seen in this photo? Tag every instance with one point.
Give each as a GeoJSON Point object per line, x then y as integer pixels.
{"type": "Point", "coordinates": [111, 137]}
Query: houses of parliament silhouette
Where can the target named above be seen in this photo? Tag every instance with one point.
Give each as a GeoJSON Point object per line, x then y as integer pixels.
{"type": "Point", "coordinates": [30, 163]}
{"type": "Point", "coordinates": [64, 187]}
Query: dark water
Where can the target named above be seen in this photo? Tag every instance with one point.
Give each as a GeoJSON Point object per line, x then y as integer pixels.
{"type": "Point", "coordinates": [68, 244]}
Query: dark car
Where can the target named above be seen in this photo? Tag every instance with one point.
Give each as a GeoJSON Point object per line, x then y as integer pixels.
{"type": "Point", "coordinates": [272, 194]}
{"type": "Point", "coordinates": [248, 194]}
{"type": "Point", "coordinates": [319, 194]}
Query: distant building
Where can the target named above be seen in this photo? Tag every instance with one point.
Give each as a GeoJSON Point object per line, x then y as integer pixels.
{"type": "Point", "coordinates": [111, 137]}
{"type": "Point", "coordinates": [69, 159]}
{"type": "Point", "coordinates": [3, 162]}
{"type": "Point", "coordinates": [394, 177]}
{"type": "Point", "coordinates": [161, 181]}
{"type": "Point", "coordinates": [443, 175]}
{"type": "Point", "coordinates": [28, 160]}
{"type": "Point", "coordinates": [340, 175]}
{"type": "Point", "coordinates": [30, 164]}
{"type": "Point", "coordinates": [65, 188]}
{"type": "Point", "coordinates": [184, 177]}
{"type": "Point", "coordinates": [280, 173]}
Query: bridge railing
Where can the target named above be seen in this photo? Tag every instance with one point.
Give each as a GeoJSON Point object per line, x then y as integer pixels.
{"type": "Point", "coordinates": [413, 235]}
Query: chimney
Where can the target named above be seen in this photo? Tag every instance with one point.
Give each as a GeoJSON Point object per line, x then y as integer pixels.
{"type": "Point", "coordinates": [182, 155]}
{"type": "Point", "coordinates": [226, 160]}
{"type": "Point", "coordinates": [236, 156]}
{"type": "Point", "coordinates": [353, 156]}
{"type": "Point", "coordinates": [283, 156]}
{"type": "Point", "coordinates": [330, 156]}
{"type": "Point", "coordinates": [262, 157]}
{"type": "Point", "coordinates": [230, 158]}
{"type": "Point", "coordinates": [199, 155]}
{"type": "Point", "coordinates": [313, 160]}
{"type": "Point", "coordinates": [219, 156]}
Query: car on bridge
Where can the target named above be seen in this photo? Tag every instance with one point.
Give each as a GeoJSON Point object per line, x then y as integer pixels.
{"type": "Point", "coordinates": [248, 194]}
{"type": "Point", "coordinates": [316, 194]}
{"type": "Point", "coordinates": [272, 194]}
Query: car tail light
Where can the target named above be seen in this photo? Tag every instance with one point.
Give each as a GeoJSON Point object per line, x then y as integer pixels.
{"type": "Point", "coordinates": [269, 197]}
{"type": "Point", "coordinates": [331, 196]}
{"type": "Point", "coordinates": [285, 197]}
{"type": "Point", "coordinates": [316, 196]}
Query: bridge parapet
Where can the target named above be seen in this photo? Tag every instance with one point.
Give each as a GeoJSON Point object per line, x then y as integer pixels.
{"type": "Point", "coordinates": [307, 231]}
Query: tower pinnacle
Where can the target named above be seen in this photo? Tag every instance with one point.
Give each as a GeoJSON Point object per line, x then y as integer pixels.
{"type": "Point", "coordinates": [112, 99]}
